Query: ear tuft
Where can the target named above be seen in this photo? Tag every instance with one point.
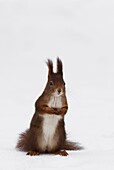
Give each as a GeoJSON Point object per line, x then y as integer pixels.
{"type": "Point", "coordinates": [50, 66]}
{"type": "Point", "coordinates": [59, 66]}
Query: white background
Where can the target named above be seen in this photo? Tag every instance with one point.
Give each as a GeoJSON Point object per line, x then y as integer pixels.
{"type": "Point", "coordinates": [81, 33]}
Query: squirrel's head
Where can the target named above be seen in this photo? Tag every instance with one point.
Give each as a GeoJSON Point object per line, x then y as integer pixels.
{"type": "Point", "coordinates": [55, 85]}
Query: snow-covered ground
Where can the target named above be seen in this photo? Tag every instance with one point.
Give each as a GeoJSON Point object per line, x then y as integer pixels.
{"type": "Point", "coordinates": [81, 33]}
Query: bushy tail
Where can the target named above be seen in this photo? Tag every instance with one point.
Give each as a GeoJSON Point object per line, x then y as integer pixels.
{"type": "Point", "coordinates": [22, 143]}
{"type": "Point", "coordinates": [72, 146]}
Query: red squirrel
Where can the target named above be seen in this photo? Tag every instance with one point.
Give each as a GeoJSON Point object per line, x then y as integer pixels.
{"type": "Point", "coordinates": [46, 133]}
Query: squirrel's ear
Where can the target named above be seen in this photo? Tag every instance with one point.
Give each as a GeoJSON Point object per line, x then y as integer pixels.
{"type": "Point", "coordinates": [59, 66]}
{"type": "Point", "coordinates": [50, 66]}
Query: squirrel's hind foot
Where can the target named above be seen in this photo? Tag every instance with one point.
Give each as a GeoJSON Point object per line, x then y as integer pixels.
{"type": "Point", "coordinates": [61, 153]}
{"type": "Point", "coordinates": [36, 153]}
{"type": "Point", "coordinates": [33, 153]}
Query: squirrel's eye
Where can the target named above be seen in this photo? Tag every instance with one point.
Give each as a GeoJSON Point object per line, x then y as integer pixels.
{"type": "Point", "coordinates": [51, 83]}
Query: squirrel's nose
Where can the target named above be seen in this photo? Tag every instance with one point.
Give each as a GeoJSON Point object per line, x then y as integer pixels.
{"type": "Point", "coordinates": [59, 91]}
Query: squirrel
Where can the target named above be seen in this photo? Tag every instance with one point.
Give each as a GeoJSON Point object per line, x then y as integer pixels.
{"type": "Point", "coordinates": [46, 133]}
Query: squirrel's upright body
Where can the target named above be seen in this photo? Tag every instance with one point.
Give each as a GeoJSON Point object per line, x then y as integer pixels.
{"type": "Point", "coordinates": [46, 133]}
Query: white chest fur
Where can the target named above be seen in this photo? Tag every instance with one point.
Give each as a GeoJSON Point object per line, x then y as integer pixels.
{"type": "Point", "coordinates": [50, 123]}
{"type": "Point", "coordinates": [55, 102]}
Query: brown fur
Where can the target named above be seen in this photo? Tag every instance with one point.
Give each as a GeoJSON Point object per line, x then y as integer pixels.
{"type": "Point", "coordinates": [30, 140]}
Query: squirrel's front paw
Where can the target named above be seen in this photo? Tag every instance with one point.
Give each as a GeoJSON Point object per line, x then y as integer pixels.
{"type": "Point", "coordinates": [57, 111]}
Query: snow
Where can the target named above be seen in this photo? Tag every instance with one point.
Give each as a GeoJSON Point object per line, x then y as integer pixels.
{"type": "Point", "coordinates": [81, 33]}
